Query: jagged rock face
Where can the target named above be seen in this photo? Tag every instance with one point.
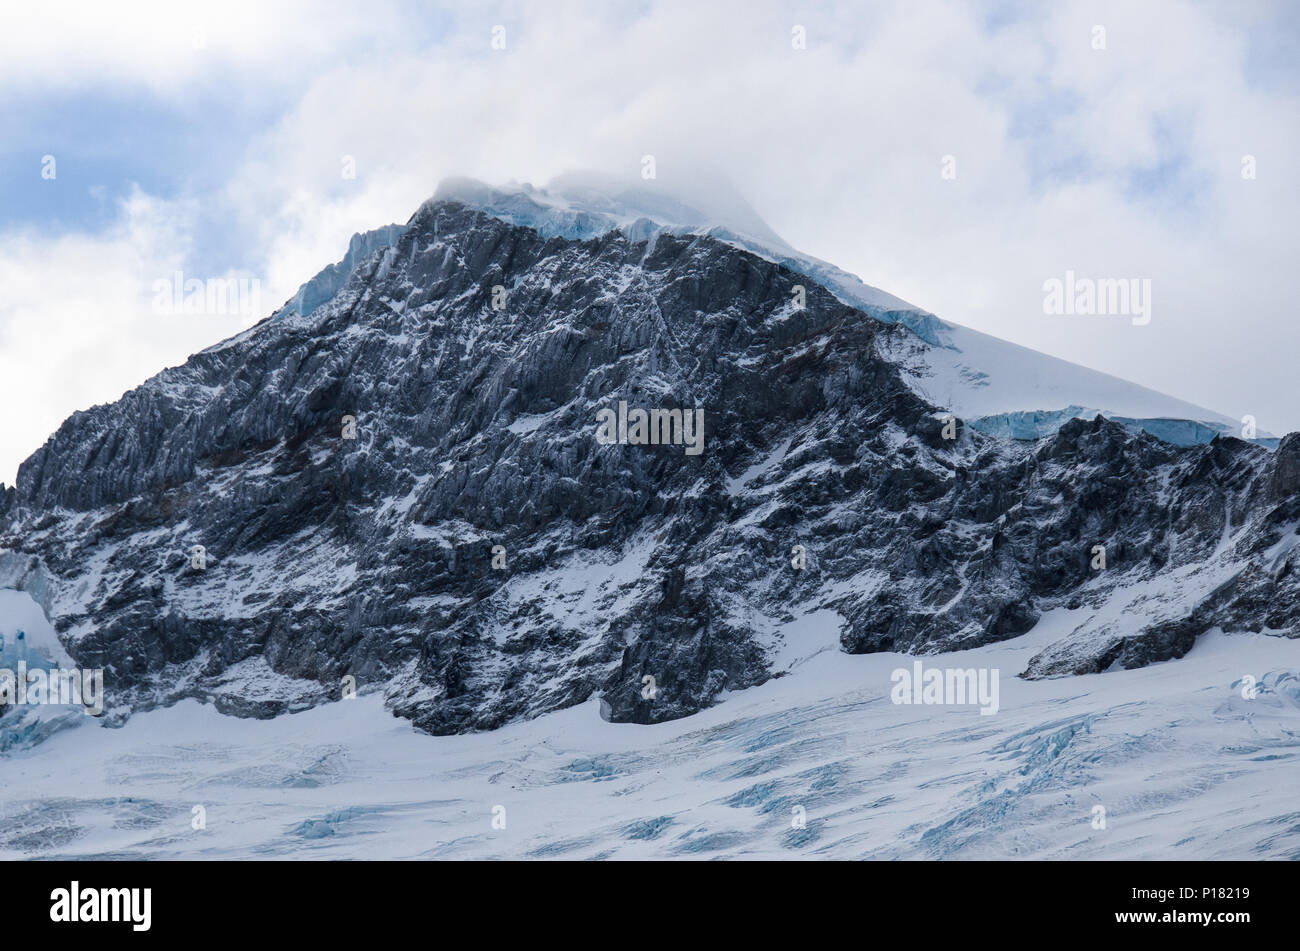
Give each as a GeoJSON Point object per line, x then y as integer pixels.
{"type": "Point", "coordinates": [476, 426]}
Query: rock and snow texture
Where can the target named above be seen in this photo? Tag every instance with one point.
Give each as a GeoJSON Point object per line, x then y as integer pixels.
{"type": "Point", "coordinates": [1183, 765]}
{"type": "Point", "coordinates": [1000, 387]}
{"type": "Point", "coordinates": [474, 346]}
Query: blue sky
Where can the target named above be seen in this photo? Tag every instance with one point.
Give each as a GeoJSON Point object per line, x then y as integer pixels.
{"type": "Point", "coordinates": [211, 139]}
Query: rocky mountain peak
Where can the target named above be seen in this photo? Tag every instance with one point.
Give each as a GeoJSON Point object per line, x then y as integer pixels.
{"type": "Point", "coordinates": [466, 480]}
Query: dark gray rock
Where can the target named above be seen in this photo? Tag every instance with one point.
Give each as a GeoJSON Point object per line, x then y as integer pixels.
{"type": "Point", "coordinates": [372, 558]}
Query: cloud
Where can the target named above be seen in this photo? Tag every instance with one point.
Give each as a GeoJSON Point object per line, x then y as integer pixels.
{"type": "Point", "coordinates": [1120, 162]}
{"type": "Point", "coordinates": [166, 49]}
{"type": "Point", "coordinates": [77, 321]}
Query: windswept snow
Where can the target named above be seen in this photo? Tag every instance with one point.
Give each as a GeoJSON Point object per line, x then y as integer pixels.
{"type": "Point", "coordinates": [1009, 390]}
{"type": "Point", "coordinates": [1181, 762]}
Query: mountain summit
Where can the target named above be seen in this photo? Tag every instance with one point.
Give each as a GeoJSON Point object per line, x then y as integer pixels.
{"type": "Point", "coordinates": [998, 387]}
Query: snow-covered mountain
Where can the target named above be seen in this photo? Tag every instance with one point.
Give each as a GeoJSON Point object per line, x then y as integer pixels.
{"type": "Point", "coordinates": [398, 480]}
{"type": "Point", "coordinates": [996, 386]}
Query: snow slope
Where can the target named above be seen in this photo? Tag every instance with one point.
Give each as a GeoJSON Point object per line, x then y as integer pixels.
{"type": "Point", "coordinates": [1182, 763]}
{"type": "Point", "coordinates": [1005, 389]}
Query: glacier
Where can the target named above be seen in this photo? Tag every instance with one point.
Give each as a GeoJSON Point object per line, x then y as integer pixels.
{"type": "Point", "coordinates": [1181, 763]}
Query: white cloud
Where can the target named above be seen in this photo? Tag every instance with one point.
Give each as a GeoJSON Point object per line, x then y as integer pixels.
{"type": "Point", "coordinates": [166, 48]}
{"type": "Point", "coordinates": [77, 321]}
